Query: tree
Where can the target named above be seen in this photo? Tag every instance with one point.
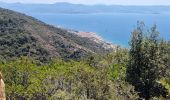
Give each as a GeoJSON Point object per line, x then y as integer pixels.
{"type": "Point", "coordinates": [165, 52]}
{"type": "Point", "coordinates": [144, 68]}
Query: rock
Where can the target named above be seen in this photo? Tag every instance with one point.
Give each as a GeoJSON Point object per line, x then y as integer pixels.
{"type": "Point", "coordinates": [2, 88]}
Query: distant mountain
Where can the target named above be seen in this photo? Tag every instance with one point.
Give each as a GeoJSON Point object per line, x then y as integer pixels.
{"type": "Point", "coordinates": [79, 8]}
{"type": "Point", "coordinates": [22, 35]}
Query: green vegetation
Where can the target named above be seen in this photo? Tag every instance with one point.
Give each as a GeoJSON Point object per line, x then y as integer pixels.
{"type": "Point", "coordinates": [62, 80]}
{"type": "Point", "coordinates": [41, 62]}
{"type": "Point", "coordinates": [22, 35]}
{"type": "Point", "coordinates": [95, 78]}
{"type": "Point", "coordinates": [148, 63]}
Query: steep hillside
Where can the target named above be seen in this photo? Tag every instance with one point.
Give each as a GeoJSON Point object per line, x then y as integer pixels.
{"type": "Point", "coordinates": [22, 35]}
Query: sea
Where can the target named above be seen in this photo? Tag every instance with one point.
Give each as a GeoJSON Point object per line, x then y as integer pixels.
{"type": "Point", "coordinates": [112, 27]}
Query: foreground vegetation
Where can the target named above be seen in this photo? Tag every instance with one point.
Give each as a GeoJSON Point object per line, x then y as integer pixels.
{"type": "Point", "coordinates": [28, 49]}
{"type": "Point", "coordinates": [142, 72]}
{"type": "Point", "coordinates": [63, 80]}
{"type": "Point", "coordinates": [149, 58]}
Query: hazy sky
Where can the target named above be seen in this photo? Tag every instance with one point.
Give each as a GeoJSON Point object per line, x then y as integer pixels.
{"type": "Point", "coordinates": [118, 2]}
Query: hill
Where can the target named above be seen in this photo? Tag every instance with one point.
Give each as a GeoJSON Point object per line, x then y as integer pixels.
{"type": "Point", "coordinates": [68, 8]}
{"type": "Point", "coordinates": [22, 35]}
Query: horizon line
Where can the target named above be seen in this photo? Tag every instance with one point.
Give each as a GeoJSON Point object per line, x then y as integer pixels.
{"type": "Point", "coordinates": [85, 4]}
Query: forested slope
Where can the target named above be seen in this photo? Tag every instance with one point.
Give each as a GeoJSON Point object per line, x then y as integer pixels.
{"type": "Point", "coordinates": [22, 35]}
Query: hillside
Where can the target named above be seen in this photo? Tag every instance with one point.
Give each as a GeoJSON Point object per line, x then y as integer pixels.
{"type": "Point", "coordinates": [141, 72]}
{"type": "Point", "coordinates": [22, 35]}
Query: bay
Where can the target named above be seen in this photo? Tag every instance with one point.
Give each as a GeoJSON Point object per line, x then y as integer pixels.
{"type": "Point", "coordinates": [113, 27]}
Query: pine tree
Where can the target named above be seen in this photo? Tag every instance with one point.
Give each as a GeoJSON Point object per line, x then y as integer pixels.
{"type": "Point", "coordinates": [144, 68]}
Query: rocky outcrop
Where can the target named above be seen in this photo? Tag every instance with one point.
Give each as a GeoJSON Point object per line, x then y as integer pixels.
{"type": "Point", "coordinates": [2, 88]}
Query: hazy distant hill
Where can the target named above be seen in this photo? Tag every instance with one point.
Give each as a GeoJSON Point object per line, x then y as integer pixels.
{"type": "Point", "coordinates": [22, 35]}
{"type": "Point", "coordinates": [79, 8]}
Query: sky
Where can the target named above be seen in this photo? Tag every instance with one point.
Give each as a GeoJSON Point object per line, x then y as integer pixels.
{"type": "Point", "coordinates": [91, 2]}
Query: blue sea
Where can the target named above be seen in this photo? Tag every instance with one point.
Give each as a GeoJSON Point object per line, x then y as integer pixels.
{"type": "Point", "coordinates": [113, 27]}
